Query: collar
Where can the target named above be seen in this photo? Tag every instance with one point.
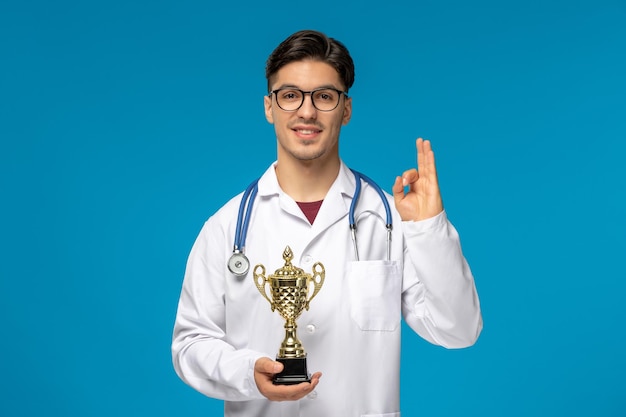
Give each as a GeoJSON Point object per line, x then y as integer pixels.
{"type": "Point", "coordinates": [339, 196]}
{"type": "Point", "coordinates": [344, 183]}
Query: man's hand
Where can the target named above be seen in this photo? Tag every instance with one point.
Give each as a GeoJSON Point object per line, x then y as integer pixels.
{"type": "Point", "coordinates": [422, 199]}
{"type": "Point", "coordinates": [264, 370]}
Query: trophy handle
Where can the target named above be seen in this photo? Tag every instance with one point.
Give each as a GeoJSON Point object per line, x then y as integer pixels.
{"type": "Point", "coordinates": [317, 279]}
{"type": "Point", "coordinates": [260, 280]}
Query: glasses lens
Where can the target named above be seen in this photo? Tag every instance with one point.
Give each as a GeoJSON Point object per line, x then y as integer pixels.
{"type": "Point", "coordinates": [289, 100]}
{"type": "Point", "coordinates": [325, 100]}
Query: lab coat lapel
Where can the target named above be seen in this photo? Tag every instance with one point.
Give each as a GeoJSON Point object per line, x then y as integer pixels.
{"type": "Point", "coordinates": [334, 208]}
{"type": "Point", "coordinates": [337, 201]}
{"type": "Point", "coordinates": [269, 188]}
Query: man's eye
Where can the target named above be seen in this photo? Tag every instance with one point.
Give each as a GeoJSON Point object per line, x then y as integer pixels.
{"type": "Point", "coordinates": [325, 96]}
{"type": "Point", "coordinates": [291, 95]}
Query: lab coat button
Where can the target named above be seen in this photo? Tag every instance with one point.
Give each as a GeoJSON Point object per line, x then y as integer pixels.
{"type": "Point", "coordinates": [307, 259]}
{"type": "Point", "coordinates": [310, 328]}
{"type": "Point", "coordinates": [312, 395]}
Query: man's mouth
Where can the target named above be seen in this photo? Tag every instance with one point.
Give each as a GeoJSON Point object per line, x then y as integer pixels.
{"type": "Point", "coordinates": [307, 131]}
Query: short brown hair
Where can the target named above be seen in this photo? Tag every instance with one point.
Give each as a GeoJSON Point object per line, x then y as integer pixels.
{"type": "Point", "coordinates": [310, 44]}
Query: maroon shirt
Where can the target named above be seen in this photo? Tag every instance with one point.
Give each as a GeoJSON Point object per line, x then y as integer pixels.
{"type": "Point", "coordinates": [310, 209]}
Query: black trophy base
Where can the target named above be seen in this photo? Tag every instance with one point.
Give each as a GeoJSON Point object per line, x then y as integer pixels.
{"type": "Point", "coordinates": [294, 372]}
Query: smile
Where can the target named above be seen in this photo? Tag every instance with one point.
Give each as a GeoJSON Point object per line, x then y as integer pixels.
{"type": "Point", "coordinates": [307, 131]}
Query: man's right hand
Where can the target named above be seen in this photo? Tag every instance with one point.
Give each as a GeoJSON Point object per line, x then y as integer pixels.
{"type": "Point", "coordinates": [264, 371]}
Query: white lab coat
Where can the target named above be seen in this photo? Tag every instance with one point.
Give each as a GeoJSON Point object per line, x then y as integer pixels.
{"type": "Point", "coordinates": [351, 332]}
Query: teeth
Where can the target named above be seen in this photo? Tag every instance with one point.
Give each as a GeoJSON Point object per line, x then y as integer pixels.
{"type": "Point", "coordinates": [306, 132]}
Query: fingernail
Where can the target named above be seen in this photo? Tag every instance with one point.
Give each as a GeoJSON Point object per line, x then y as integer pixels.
{"type": "Point", "coordinates": [276, 368]}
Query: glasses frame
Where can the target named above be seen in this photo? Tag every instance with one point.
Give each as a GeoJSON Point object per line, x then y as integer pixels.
{"type": "Point", "coordinates": [304, 93]}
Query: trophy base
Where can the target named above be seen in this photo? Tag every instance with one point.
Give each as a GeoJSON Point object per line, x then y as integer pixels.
{"type": "Point", "coordinates": [294, 372]}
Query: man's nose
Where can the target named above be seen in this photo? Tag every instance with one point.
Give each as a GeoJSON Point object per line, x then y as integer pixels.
{"type": "Point", "coordinates": [307, 110]}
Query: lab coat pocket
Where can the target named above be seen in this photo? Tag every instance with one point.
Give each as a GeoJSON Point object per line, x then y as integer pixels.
{"type": "Point", "coordinates": [374, 291]}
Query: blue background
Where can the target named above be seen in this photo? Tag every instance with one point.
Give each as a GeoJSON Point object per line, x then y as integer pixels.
{"type": "Point", "coordinates": [124, 125]}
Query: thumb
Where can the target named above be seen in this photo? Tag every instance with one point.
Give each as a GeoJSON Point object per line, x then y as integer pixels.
{"type": "Point", "coordinates": [268, 366]}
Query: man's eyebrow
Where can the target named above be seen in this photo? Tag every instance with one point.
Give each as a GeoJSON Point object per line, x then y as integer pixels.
{"type": "Point", "coordinates": [316, 88]}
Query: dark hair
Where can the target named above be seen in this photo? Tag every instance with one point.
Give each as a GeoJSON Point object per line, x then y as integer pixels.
{"type": "Point", "coordinates": [310, 44]}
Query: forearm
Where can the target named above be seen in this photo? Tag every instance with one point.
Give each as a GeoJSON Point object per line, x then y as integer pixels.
{"type": "Point", "coordinates": [442, 303]}
{"type": "Point", "coordinates": [202, 355]}
{"type": "Point", "coordinates": [215, 368]}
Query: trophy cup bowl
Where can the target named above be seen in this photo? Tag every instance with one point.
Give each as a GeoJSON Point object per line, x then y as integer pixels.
{"type": "Point", "coordinates": [291, 292]}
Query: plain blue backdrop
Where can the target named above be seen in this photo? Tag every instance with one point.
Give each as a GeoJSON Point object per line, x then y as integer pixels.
{"type": "Point", "coordinates": [124, 125]}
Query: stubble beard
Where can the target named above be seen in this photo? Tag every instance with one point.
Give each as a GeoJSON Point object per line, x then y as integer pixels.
{"type": "Point", "coordinates": [306, 154]}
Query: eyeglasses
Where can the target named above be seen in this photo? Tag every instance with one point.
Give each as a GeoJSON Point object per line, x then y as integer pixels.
{"type": "Point", "coordinates": [324, 99]}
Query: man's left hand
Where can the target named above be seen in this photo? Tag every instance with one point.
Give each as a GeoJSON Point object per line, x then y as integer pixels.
{"type": "Point", "coordinates": [422, 198]}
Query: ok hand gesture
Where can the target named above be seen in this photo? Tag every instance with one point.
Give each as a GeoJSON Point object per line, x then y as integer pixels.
{"type": "Point", "coordinates": [422, 199]}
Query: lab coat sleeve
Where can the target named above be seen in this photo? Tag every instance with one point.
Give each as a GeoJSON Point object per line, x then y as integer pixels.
{"type": "Point", "coordinates": [201, 353]}
{"type": "Point", "coordinates": [439, 301]}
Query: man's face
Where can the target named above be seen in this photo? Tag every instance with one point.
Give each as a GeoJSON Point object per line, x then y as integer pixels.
{"type": "Point", "coordinates": [307, 134]}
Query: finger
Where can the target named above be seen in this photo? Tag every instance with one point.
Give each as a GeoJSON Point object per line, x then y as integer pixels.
{"type": "Point", "coordinates": [409, 177]}
{"type": "Point", "coordinates": [292, 392]}
{"type": "Point", "coordinates": [430, 170]}
{"type": "Point", "coordinates": [308, 387]}
{"type": "Point", "coordinates": [315, 379]}
{"type": "Point", "coordinates": [419, 145]}
{"type": "Point", "coordinates": [428, 154]}
{"type": "Point", "coordinates": [398, 188]}
{"type": "Point", "coordinates": [398, 192]}
{"type": "Point", "coordinates": [428, 146]}
{"type": "Point", "coordinates": [268, 366]}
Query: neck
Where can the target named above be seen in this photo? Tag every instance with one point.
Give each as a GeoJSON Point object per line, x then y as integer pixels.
{"type": "Point", "coordinates": [307, 181]}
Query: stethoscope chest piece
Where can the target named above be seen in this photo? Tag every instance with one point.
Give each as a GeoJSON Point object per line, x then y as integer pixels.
{"type": "Point", "coordinates": [238, 264]}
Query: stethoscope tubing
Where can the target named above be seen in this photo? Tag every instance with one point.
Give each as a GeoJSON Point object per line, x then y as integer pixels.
{"type": "Point", "coordinates": [247, 202]}
{"type": "Point", "coordinates": [241, 231]}
{"type": "Point", "coordinates": [355, 199]}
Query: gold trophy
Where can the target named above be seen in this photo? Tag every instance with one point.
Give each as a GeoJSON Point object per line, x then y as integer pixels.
{"type": "Point", "coordinates": [290, 288]}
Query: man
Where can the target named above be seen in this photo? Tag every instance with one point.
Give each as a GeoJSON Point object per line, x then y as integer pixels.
{"type": "Point", "coordinates": [225, 334]}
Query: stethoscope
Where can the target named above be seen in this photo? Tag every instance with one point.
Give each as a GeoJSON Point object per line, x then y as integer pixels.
{"type": "Point", "coordinates": [238, 262]}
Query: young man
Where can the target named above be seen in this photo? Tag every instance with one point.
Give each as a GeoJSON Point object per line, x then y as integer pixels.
{"type": "Point", "coordinates": [226, 335]}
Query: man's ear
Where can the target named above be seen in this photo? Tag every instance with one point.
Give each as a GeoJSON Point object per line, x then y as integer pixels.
{"type": "Point", "coordinates": [347, 111]}
{"type": "Point", "coordinates": [267, 103]}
